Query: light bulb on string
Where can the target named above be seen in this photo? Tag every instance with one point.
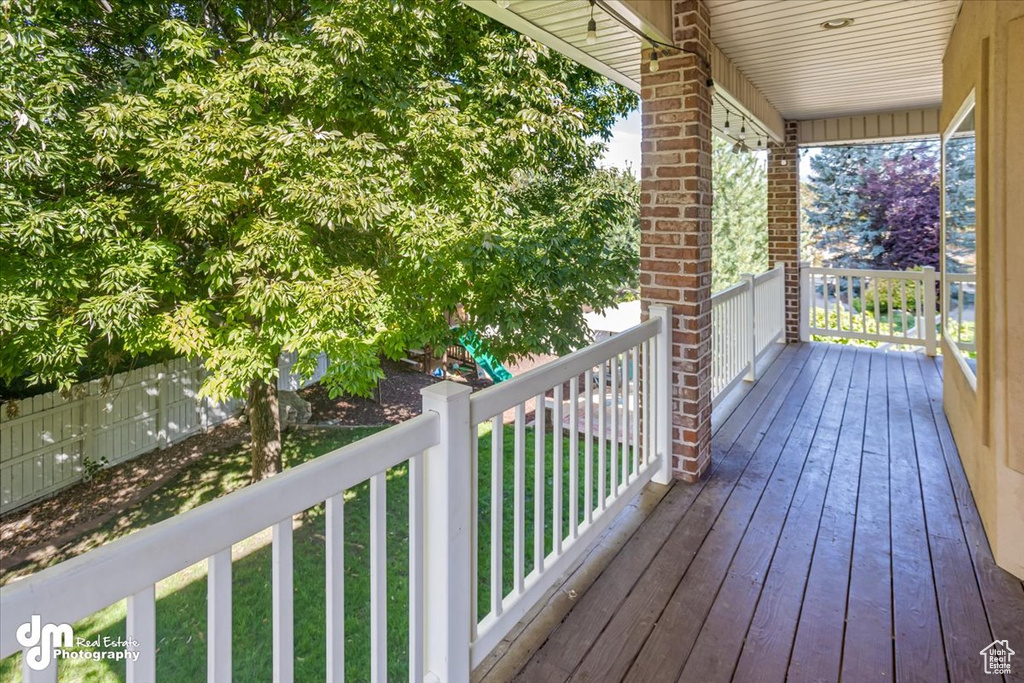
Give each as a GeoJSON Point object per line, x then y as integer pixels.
{"type": "Point", "coordinates": [653, 66]}
{"type": "Point", "coordinates": [591, 26]}
{"type": "Point", "coordinates": [725, 128]}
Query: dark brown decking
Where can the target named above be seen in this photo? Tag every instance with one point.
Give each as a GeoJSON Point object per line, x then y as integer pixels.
{"type": "Point", "coordinates": [836, 538]}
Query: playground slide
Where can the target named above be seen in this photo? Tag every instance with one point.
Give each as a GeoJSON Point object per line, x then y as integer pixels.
{"type": "Point", "coordinates": [485, 361]}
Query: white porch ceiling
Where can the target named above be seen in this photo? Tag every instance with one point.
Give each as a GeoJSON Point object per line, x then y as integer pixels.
{"type": "Point", "coordinates": [889, 59]}
{"type": "Point", "coordinates": [562, 24]}
{"type": "Point", "coordinates": [772, 59]}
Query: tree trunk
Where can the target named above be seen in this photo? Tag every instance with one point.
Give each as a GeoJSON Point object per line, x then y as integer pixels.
{"type": "Point", "coordinates": [265, 427]}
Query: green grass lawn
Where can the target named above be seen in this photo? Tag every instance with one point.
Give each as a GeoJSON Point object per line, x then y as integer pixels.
{"type": "Point", "coordinates": [181, 606]}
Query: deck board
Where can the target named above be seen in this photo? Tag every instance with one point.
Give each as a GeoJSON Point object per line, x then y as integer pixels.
{"type": "Point", "coordinates": [835, 537]}
{"type": "Point", "coordinates": [568, 643]}
{"type": "Point", "coordinates": [618, 646]}
{"type": "Point", "coordinates": [920, 654]}
{"type": "Point", "coordinates": [763, 488]}
{"type": "Point", "coordinates": [721, 637]}
{"type": "Point", "coordinates": [765, 652]}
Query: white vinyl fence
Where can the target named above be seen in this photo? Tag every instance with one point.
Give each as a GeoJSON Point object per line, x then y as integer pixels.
{"type": "Point", "coordinates": [618, 386]}
{"type": "Point", "coordinates": [45, 445]}
{"type": "Point", "coordinates": [746, 319]}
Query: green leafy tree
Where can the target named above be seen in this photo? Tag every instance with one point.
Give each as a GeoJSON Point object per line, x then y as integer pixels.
{"type": "Point", "coordinates": [230, 180]}
{"type": "Point", "coordinates": [739, 216]}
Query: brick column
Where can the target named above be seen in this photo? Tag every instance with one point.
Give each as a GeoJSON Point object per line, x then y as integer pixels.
{"type": "Point", "coordinates": [675, 223]}
{"type": "Point", "coordinates": [784, 222]}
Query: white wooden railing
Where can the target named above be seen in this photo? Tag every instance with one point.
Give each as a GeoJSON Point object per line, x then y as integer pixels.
{"type": "Point", "coordinates": [746, 319]}
{"type": "Point", "coordinates": [130, 567]}
{"type": "Point", "coordinates": [890, 306]}
{"type": "Point", "coordinates": [613, 406]}
{"type": "Point", "coordinates": [618, 402]}
{"type": "Point", "coordinates": [961, 290]}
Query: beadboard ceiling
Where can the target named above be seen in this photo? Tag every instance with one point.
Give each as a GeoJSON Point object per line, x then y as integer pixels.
{"type": "Point", "coordinates": [889, 59]}
{"type": "Point", "coordinates": [562, 24]}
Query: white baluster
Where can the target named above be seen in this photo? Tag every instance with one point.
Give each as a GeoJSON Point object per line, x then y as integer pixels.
{"type": "Point", "coordinates": [539, 481]}
{"type": "Point", "coordinates": [417, 501]}
{"type": "Point", "coordinates": [588, 449]}
{"type": "Point", "coordinates": [519, 504]}
{"type": "Point", "coordinates": [574, 457]}
{"type": "Point", "coordinates": [282, 588]}
{"type": "Point", "coordinates": [378, 579]}
{"type": "Point", "coordinates": [335, 573]}
{"type": "Point", "coordinates": [218, 617]}
{"type": "Point", "coordinates": [140, 626]}
{"type": "Point", "coordinates": [497, 497]}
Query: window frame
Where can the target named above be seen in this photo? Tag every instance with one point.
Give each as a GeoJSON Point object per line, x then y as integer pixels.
{"type": "Point", "coordinates": [967, 107]}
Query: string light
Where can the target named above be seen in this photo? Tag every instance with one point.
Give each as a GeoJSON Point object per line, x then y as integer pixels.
{"type": "Point", "coordinates": [740, 137]}
{"type": "Point", "coordinates": [592, 25]}
{"type": "Point", "coordinates": [654, 61]}
{"type": "Point", "coordinates": [503, 4]}
{"type": "Point", "coordinates": [667, 48]}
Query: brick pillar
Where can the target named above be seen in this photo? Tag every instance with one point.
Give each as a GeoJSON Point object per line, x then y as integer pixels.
{"type": "Point", "coordinates": [784, 222]}
{"type": "Point", "coordinates": [675, 223]}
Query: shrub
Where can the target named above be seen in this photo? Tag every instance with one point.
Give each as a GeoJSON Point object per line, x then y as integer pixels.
{"type": "Point", "coordinates": [868, 297]}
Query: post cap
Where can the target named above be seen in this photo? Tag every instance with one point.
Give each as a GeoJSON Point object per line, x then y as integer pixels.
{"type": "Point", "coordinates": [445, 391]}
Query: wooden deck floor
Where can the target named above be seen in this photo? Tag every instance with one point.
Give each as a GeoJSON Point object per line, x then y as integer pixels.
{"type": "Point", "coordinates": [836, 538]}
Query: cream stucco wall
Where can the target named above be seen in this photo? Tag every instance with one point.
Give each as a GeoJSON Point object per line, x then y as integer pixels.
{"type": "Point", "coordinates": [986, 54]}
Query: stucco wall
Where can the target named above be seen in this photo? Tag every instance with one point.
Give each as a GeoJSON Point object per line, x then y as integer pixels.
{"type": "Point", "coordinates": [986, 54]}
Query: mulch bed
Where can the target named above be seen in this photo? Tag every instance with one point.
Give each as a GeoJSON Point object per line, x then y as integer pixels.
{"type": "Point", "coordinates": [32, 533]}
{"type": "Point", "coordinates": [399, 394]}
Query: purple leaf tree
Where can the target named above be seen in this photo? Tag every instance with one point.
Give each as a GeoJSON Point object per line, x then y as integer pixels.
{"type": "Point", "coordinates": [901, 198]}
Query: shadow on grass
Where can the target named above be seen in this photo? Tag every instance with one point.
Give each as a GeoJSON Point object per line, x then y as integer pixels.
{"type": "Point", "coordinates": [181, 599]}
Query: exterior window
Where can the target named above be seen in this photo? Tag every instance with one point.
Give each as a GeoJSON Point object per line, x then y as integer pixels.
{"type": "Point", "coordinates": [959, 258]}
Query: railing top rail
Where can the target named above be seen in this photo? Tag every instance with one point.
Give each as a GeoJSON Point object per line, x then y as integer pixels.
{"type": "Point", "coordinates": [962, 277]}
{"type": "Point", "coordinates": [82, 585]}
{"type": "Point", "coordinates": [776, 272]}
{"type": "Point", "coordinates": [500, 397]}
{"type": "Point", "coordinates": [870, 272]}
{"type": "Point", "coordinates": [726, 294]}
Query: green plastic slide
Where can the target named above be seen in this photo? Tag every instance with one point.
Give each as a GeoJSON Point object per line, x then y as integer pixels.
{"type": "Point", "coordinates": [485, 361]}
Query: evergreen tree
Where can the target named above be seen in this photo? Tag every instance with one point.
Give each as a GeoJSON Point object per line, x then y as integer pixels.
{"type": "Point", "coordinates": [739, 216]}
{"type": "Point", "coordinates": [874, 206]}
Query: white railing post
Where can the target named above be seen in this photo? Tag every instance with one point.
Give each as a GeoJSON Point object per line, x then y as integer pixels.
{"type": "Point", "coordinates": [446, 527]}
{"type": "Point", "coordinates": [663, 393]}
{"type": "Point", "coordinates": [806, 303]}
{"type": "Point", "coordinates": [928, 319]}
{"type": "Point", "coordinates": [752, 311]}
